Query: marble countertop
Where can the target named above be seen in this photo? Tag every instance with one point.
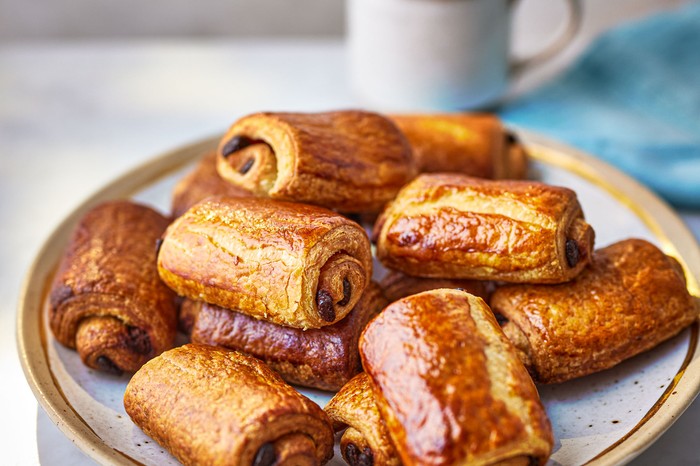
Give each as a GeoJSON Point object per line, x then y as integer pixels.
{"type": "Point", "coordinates": [74, 116]}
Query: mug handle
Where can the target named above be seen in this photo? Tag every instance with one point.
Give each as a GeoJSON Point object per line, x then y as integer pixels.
{"type": "Point", "coordinates": [517, 67]}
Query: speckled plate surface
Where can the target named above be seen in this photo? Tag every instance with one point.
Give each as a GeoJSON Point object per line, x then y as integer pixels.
{"type": "Point", "coordinates": [606, 418]}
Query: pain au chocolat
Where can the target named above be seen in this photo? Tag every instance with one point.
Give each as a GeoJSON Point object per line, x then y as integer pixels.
{"type": "Point", "coordinates": [106, 300]}
{"type": "Point", "coordinates": [473, 144]}
{"type": "Point", "coordinates": [351, 161]}
{"type": "Point", "coordinates": [324, 358]}
{"type": "Point", "coordinates": [631, 298]}
{"type": "Point", "coordinates": [209, 405]}
{"type": "Point", "coordinates": [455, 226]}
{"type": "Point", "coordinates": [291, 264]}
{"type": "Point", "coordinates": [365, 440]}
{"type": "Point", "coordinates": [450, 386]}
{"type": "Point", "coordinates": [201, 182]}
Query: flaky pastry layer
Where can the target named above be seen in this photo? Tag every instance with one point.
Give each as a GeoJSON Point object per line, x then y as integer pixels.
{"type": "Point", "coordinates": [449, 384]}
{"type": "Point", "coordinates": [365, 439]}
{"type": "Point", "coordinates": [209, 405]}
{"type": "Point", "coordinates": [455, 226]}
{"type": "Point", "coordinates": [474, 144]}
{"type": "Point", "coordinates": [291, 264]}
{"type": "Point", "coordinates": [350, 161]}
{"type": "Point", "coordinates": [324, 358]}
{"type": "Point", "coordinates": [631, 298]}
{"type": "Point", "coordinates": [106, 300]}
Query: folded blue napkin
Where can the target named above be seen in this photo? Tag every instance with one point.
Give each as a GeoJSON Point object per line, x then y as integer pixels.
{"type": "Point", "coordinates": [633, 99]}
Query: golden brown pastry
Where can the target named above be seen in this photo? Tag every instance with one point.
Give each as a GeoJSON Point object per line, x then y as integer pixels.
{"type": "Point", "coordinates": [455, 226]}
{"type": "Point", "coordinates": [107, 300]}
{"type": "Point", "coordinates": [397, 285]}
{"type": "Point", "coordinates": [350, 161]}
{"type": "Point", "coordinates": [209, 405]}
{"type": "Point", "coordinates": [470, 143]}
{"type": "Point", "coordinates": [323, 358]}
{"type": "Point", "coordinates": [449, 385]}
{"type": "Point", "coordinates": [202, 182]}
{"type": "Point", "coordinates": [292, 264]}
{"type": "Point", "coordinates": [631, 298]}
{"type": "Point", "coordinates": [365, 441]}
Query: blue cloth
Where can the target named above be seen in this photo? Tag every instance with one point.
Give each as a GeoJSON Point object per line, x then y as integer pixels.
{"type": "Point", "coordinates": [633, 99]}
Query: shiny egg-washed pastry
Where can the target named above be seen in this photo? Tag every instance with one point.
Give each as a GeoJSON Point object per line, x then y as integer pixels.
{"type": "Point", "coordinates": [209, 405]}
{"type": "Point", "coordinates": [350, 161]}
{"type": "Point", "coordinates": [106, 300]}
{"type": "Point", "coordinates": [629, 299]}
{"type": "Point", "coordinates": [324, 358]}
{"type": "Point", "coordinates": [365, 440]}
{"type": "Point", "coordinates": [292, 264]}
{"type": "Point", "coordinates": [450, 386]}
{"type": "Point", "coordinates": [470, 143]}
{"type": "Point", "coordinates": [456, 226]}
{"type": "Point", "coordinates": [202, 182]}
{"type": "Point", "coordinates": [397, 285]}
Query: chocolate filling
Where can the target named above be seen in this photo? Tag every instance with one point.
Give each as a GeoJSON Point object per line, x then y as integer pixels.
{"type": "Point", "coordinates": [511, 138]}
{"type": "Point", "coordinates": [139, 341]}
{"type": "Point", "coordinates": [246, 166]}
{"type": "Point", "coordinates": [500, 318]}
{"type": "Point", "coordinates": [347, 290]}
{"type": "Point", "coordinates": [355, 457]}
{"type": "Point", "coordinates": [107, 365]}
{"type": "Point", "coordinates": [572, 253]}
{"type": "Point", "coordinates": [235, 144]}
{"type": "Point", "coordinates": [265, 455]}
{"type": "Point", "coordinates": [159, 243]}
{"type": "Point", "coordinates": [324, 303]}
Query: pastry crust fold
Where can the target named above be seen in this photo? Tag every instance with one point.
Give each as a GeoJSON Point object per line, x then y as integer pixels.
{"type": "Point", "coordinates": [202, 182]}
{"type": "Point", "coordinates": [631, 298]}
{"type": "Point", "coordinates": [106, 300]}
{"type": "Point", "coordinates": [455, 226]}
{"type": "Point", "coordinates": [365, 440]}
{"type": "Point", "coordinates": [397, 285]}
{"type": "Point", "coordinates": [351, 161]}
{"type": "Point", "coordinates": [323, 358]}
{"type": "Point", "coordinates": [208, 405]}
{"type": "Point", "coordinates": [449, 384]}
{"type": "Point", "coordinates": [473, 144]}
{"type": "Point", "coordinates": [291, 264]}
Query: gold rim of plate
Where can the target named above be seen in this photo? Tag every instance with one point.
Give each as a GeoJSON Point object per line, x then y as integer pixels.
{"type": "Point", "coordinates": [670, 231]}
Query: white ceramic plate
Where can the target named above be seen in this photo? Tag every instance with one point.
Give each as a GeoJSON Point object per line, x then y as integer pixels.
{"type": "Point", "coordinates": [607, 418]}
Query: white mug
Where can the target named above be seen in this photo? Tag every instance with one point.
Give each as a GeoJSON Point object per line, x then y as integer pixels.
{"type": "Point", "coordinates": [410, 55]}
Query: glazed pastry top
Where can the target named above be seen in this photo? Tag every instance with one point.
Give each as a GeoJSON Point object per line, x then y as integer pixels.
{"type": "Point", "coordinates": [469, 143]}
{"type": "Point", "coordinates": [628, 300]}
{"type": "Point", "coordinates": [292, 264]}
{"type": "Point", "coordinates": [454, 226]}
{"type": "Point", "coordinates": [352, 161]}
{"type": "Point", "coordinates": [449, 384]}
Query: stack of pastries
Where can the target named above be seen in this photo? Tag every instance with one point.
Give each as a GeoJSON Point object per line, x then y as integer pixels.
{"type": "Point", "coordinates": [265, 263]}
